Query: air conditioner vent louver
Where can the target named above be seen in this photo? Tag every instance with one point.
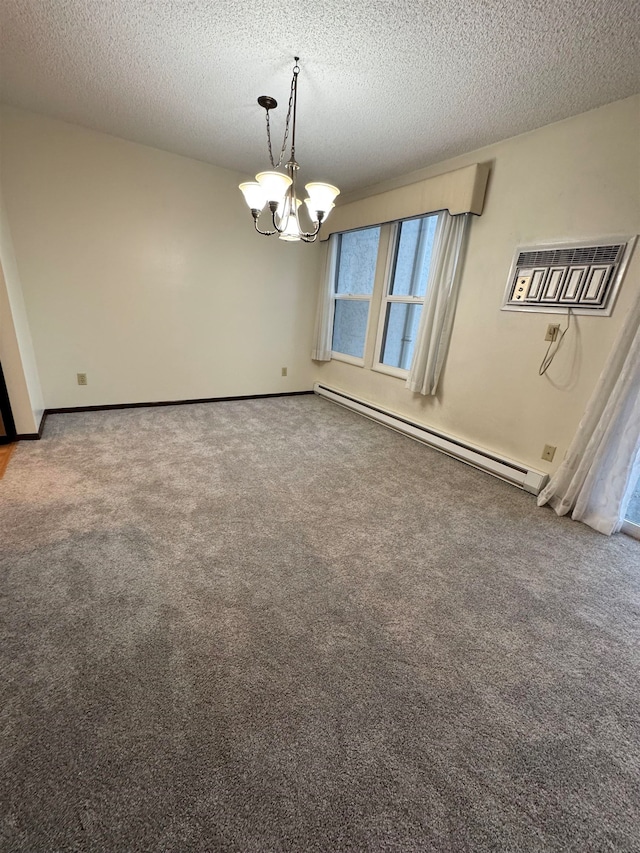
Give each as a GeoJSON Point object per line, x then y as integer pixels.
{"type": "Point", "coordinates": [564, 257]}
{"type": "Point", "coordinates": [583, 277]}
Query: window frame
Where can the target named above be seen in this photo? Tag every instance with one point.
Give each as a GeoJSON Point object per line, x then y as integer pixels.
{"type": "Point", "coordinates": [388, 299]}
{"type": "Point", "coordinates": [343, 356]}
{"type": "Point", "coordinates": [351, 297]}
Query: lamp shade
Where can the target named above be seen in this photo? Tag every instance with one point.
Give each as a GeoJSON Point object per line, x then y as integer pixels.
{"type": "Point", "coordinates": [321, 195]}
{"type": "Point", "coordinates": [313, 210]}
{"type": "Point", "coordinates": [253, 195]}
{"type": "Point", "coordinates": [291, 231]}
{"type": "Point", "coordinates": [274, 184]}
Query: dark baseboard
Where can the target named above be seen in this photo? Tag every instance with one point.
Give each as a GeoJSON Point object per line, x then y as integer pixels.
{"type": "Point", "coordinates": [34, 436]}
{"type": "Point", "coordinates": [70, 409]}
{"type": "Point", "coordinates": [42, 420]}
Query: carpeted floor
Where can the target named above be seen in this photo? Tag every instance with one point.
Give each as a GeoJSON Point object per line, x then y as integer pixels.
{"type": "Point", "coordinates": [273, 625]}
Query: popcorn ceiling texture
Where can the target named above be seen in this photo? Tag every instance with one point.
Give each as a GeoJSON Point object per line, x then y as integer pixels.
{"type": "Point", "coordinates": [385, 88]}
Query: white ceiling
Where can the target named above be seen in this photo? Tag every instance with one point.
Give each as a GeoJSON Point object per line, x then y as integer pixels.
{"type": "Point", "coordinates": [386, 87]}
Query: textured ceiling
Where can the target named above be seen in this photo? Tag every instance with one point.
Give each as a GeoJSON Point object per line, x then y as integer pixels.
{"type": "Point", "coordinates": [386, 86]}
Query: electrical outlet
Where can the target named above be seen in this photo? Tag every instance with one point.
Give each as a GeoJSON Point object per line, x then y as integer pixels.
{"type": "Point", "coordinates": [284, 371]}
{"type": "Point", "coordinates": [82, 378]}
{"type": "Point", "coordinates": [548, 453]}
{"type": "Point", "coordinates": [552, 331]}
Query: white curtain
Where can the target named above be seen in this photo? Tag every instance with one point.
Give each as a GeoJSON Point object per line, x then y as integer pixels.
{"type": "Point", "coordinates": [323, 332]}
{"type": "Point", "coordinates": [436, 320]}
{"type": "Point", "coordinates": [596, 480]}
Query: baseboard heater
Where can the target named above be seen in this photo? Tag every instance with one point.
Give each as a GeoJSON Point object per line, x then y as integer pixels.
{"type": "Point", "coordinates": [498, 466]}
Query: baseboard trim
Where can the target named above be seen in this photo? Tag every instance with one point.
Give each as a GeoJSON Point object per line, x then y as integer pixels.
{"type": "Point", "coordinates": [32, 436]}
{"type": "Point", "coordinates": [42, 420]}
{"type": "Point", "coordinates": [65, 410]}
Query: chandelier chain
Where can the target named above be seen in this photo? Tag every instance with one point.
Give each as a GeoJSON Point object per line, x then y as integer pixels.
{"type": "Point", "coordinates": [296, 71]}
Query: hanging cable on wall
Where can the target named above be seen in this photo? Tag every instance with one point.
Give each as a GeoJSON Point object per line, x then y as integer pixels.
{"type": "Point", "coordinates": [552, 351]}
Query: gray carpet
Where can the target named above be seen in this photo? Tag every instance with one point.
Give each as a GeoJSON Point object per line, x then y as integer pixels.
{"type": "Point", "coordinates": [273, 625]}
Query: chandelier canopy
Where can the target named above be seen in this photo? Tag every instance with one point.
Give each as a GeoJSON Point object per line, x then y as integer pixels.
{"type": "Point", "coordinates": [278, 190]}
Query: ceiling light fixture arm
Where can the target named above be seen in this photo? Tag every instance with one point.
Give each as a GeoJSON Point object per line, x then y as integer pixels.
{"type": "Point", "coordinates": [291, 208]}
{"type": "Point", "coordinates": [273, 207]}
{"type": "Point", "coordinates": [256, 215]}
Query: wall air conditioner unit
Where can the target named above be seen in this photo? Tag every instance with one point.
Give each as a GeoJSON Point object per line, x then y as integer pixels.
{"type": "Point", "coordinates": [582, 276]}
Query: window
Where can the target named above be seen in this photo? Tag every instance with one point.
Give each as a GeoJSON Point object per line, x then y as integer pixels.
{"type": "Point", "coordinates": [632, 521]}
{"type": "Point", "coordinates": [393, 296]}
{"type": "Point", "coordinates": [355, 270]}
{"type": "Point", "coordinates": [405, 289]}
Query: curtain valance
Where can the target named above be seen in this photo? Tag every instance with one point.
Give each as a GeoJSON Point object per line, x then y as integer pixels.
{"type": "Point", "coordinates": [460, 191]}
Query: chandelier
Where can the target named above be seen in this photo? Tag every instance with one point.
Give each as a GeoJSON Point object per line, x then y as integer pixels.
{"type": "Point", "coordinates": [278, 190]}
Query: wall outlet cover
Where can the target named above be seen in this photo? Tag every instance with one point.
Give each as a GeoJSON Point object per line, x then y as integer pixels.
{"type": "Point", "coordinates": [552, 331]}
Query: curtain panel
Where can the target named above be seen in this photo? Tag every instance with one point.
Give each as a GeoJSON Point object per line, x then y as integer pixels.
{"type": "Point", "coordinates": [323, 331]}
{"type": "Point", "coordinates": [436, 319]}
{"type": "Point", "coordinates": [595, 481]}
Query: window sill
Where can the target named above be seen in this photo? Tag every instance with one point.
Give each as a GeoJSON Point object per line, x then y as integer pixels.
{"type": "Point", "coordinates": [631, 529]}
{"type": "Point", "coordinates": [348, 359]}
{"type": "Point", "coordinates": [396, 372]}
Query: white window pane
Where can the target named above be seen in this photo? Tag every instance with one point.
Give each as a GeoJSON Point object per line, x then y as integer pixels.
{"type": "Point", "coordinates": [357, 256]}
{"type": "Point", "coordinates": [350, 326]}
{"type": "Point", "coordinates": [413, 257]}
{"type": "Point", "coordinates": [401, 328]}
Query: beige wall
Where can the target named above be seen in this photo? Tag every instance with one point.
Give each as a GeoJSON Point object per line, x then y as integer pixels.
{"type": "Point", "coordinates": [577, 179]}
{"type": "Point", "coordinates": [141, 269]}
{"type": "Point", "coordinates": [16, 348]}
